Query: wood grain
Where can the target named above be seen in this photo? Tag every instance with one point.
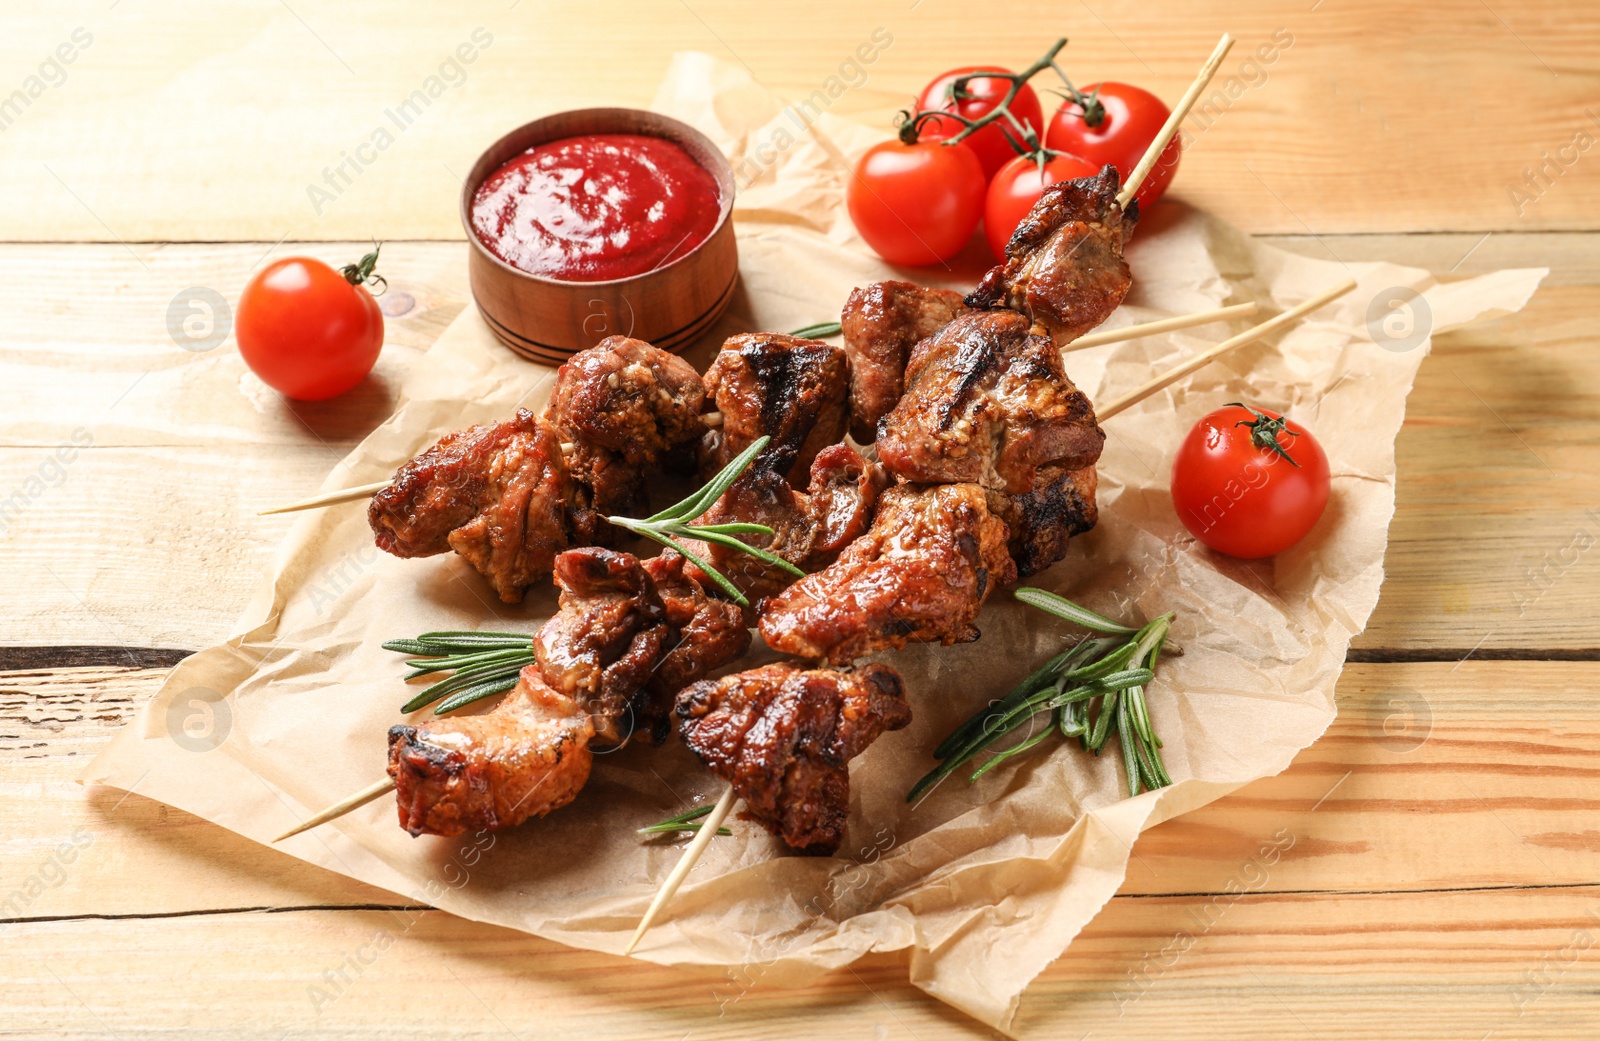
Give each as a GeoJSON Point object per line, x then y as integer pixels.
{"type": "Point", "coordinates": [1431, 846]}
{"type": "Point", "coordinates": [1421, 116]}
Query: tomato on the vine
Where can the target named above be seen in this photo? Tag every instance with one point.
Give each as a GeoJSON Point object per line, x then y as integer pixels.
{"type": "Point", "coordinates": [986, 92]}
{"type": "Point", "coordinates": [1121, 122]}
{"type": "Point", "coordinates": [308, 331]}
{"type": "Point", "coordinates": [1248, 482]}
{"type": "Point", "coordinates": [1015, 189]}
{"type": "Point", "coordinates": [916, 204]}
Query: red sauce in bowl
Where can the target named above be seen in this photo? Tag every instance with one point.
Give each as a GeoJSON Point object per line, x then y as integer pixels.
{"type": "Point", "coordinates": [596, 207]}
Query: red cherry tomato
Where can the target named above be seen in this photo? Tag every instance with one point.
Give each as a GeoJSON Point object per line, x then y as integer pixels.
{"type": "Point", "coordinates": [989, 144]}
{"type": "Point", "coordinates": [308, 331]}
{"type": "Point", "coordinates": [1239, 495]}
{"type": "Point", "coordinates": [916, 204]}
{"type": "Point", "coordinates": [1017, 187]}
{"type": "Point", "coordinates": [1126, 120]}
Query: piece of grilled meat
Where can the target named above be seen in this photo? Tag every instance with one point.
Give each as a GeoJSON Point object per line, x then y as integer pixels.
{"type": "Point", "coordinates": [919, 574]}
{"type": "Point", "coordinates": [1064, 266]}
{"type": "Point", "coordinates": [1040, 522]}
{"type": "Point", "coordinates": [810, 528]}
{"type": "Point", "coordinates": [793, 390]}
{"type": "Point", "coordinates": [784, 736]}
{"type": "Point", "coordinates": [987, 401]}
{"type": "Point", "coordinates": [881, 323]}
{"type": "Point", "coordinates": [525, 757]}
{"type": "Point", "coordinates": [619, 643]}
{"type": "Point", "coordinates": [623, 405]}
{"type": "Point", "coordinates": [494, 494]}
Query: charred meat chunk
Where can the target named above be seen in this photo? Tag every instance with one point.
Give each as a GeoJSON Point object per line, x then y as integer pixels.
{"type": "Point", "coordinates": [987, 401]}
{"type": "Point", "coordinates": [628, 634]}
{"type": "Point", "coordinates": [809, 528]}
{"type": "Point", "coordinates": [494, 494]}
{"type": "Point", "coordinates": [629, 397]}
{"type": "Point", "coordinates": [603, 642]}
{"type": "Point", "coordinates": [919, 575]}
{"type": "Point", "coordinates": [525, 757]}
{"type": "Point", "coordinates": [1040, 522]}
{"type": "Point", "coordinates": [708, 634]}
{"type": "Point", "coordinates": [784, 736]}
{"type": "Point", "coordinates": [881, 323]}
{"type": "Point", "coordinates": [792, 390]}
{"type": "Point", "coordinates": [843, 494]}
{"type": "Point", "coordinates": [1063, 265]}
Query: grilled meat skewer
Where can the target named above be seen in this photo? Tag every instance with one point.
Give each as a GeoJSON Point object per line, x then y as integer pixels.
{"type": "Point", "coordinates": [784, 736]}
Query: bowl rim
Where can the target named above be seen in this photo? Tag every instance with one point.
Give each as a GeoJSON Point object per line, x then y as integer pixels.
{"type": "Point", "coordinates": [722, 173]}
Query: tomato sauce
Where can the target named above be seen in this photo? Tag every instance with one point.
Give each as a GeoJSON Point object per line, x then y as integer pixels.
{"type": "Point", "coordinates": [596, 207]}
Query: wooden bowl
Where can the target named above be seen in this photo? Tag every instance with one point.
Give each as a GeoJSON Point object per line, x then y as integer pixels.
{"type": "Point", "coordinates": [549, 320]}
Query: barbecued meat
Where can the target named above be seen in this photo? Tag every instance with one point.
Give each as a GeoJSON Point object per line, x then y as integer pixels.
{"type": "Point", "coordinates": [844, 491]}
{"type": "Point", "coordinates": [604, 484]}
{"type": "Point", "coordinates": [623, 405]}
{"type": "Point", "coordinates": [919, 574]}
{"type": "Point", "coordinates": [630, 397]}
{"type": "Point", "coordinates": [784, 736]}
{"type": "Point", "coordinates": [759, 496]}
{"type": "Point", "coordinates": [882, 322]}
{"type": "Point", "coordinates": [628, 635]}
{"type": "Point", "coordinates": [494, 494]}
{"type": "Point", "coordinates": [792, 390]}
{"type": "Point", "coordinates": [708, 634]}
{"type": "Point", "coordinates": [987, 401]}
{"type": "Point", "coordinates": [527, 756]}
{"type": "Point", "coordinates": [1064, 266]}
{"type": "Point", "coordinates": [608, 633]}
{"type": "Point", "coordinates": [809, 528]}
{"type": "Point", "coordinates": [1061, 505]}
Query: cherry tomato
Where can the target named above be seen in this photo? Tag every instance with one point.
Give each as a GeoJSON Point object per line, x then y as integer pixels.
{"type": "Point", "coordinates": [1125, 120]}
{"type": "Point", "coordinates": [1249, 483]}
{"type": "Point", "coordinates": [1017, 187]}
{"type": "Point", "coordinates": [989, 144]}
{"type": "Point", "coordinates": [916, 204]}
{"type": "Point", "coordinates": [308, 331]}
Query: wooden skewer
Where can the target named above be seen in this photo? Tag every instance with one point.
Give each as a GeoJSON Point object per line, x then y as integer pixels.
{"type": "Point", "coordinates": [340, 808]}
{"type": "Point", "coordinates": [367, 491]}
{"type": "Point", "coordinates": [1095, 339]}
{"type": "Point", "coordinates": [1140, 172]}
{"type": "Point", "coordinates": [708, 829]}
{"type": "Point", "coordinates": [1163, 325]}
{"type": "Point", "coordinates": [1267, 327]}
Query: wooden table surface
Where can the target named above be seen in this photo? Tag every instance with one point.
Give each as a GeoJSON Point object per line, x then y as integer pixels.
{"type": "Point", "coordinates": [1440, 873]}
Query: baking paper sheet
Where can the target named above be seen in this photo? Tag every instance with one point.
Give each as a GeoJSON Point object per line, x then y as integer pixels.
{"type": "Point", "coordinates": [985, 884]}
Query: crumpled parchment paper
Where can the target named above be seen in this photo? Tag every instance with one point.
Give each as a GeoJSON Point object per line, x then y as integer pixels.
{"type": "Point", "coordinates": [985, 884]}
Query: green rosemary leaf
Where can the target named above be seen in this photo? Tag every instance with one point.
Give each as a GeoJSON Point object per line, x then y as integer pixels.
{"type": "Point", "coordinates": [408, 647]}
{"type": "Point", "coordinates": [1031, 685]}
{"type": "Point", "coordinates": [818, 331]}
{"type": "Point", "coordinates": [760, 554]}
{"type": "Point", "coordinates": [738, 528]}
{"type": "Point", "coordinates": [476, 692]}
{"type": "Point", "coordinates": [431, 694]}
{"type": "Point", "coordinates": [1063, 608]}
{"type": "Point", "coordinates": [1130, 759]}
{"type": "Point", "coordinates": [693, 558]}
{"type": "Point", "coordinates": [682, 822]}
{"type": "Point", "coordinates": [1016, 749]}
{"type": "Point", "coordinates": [700, 501]}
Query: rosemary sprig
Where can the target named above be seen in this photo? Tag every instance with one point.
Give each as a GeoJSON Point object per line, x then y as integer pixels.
{"type": "Point", "coordinates": [818, 331]}
{"type": "Point", "coordinates": [1084, 692]}
{"type": "Point", "coordinates": [689, 821]}
{"type": "Point", "coordinates": [673, 524]}
{"type": "Point", "coordinates": [484, 664]}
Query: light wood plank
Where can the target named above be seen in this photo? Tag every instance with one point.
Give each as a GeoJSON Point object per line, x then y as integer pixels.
{"type": "Point", "coordinates": [1447, 966]}
{"type": "Point", "coordinates": [1421, 117]}
{"type": "Point", "coordinates": [1433, 777]}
